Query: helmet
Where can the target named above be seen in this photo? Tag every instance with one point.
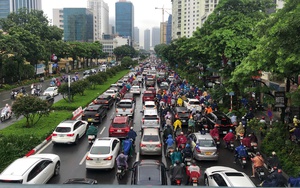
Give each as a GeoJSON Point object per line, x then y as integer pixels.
{"type": "Point", "coordinates": [6, 105]}
{"type": "Point", "coordinates": [193, 162]}
{"type": "Point", "coordinates": [92, 124]}
{"type": "Point", "coordinates": [131, 128]}
{"type": "Point", "coordinates": [295, 116]}
{"type": "Point", "coordinates": [187, 145]}
{"type": "Point", "coordinates": [240, 123]}
{"type": "Point", "coordinates": [243, 117]}
{"type": "Point", "coordinates": [177, 162]}
{"type": "Point", "coordinates": [263, 117]}
{"type": "Point", "coordinates": [273, 153]}
{"type": "Point", "coordinates": [230, 130]}
{"type": "Point", "coordinates": [257, 153]}
{"type": "Point", "coordinates": [181, 133]}
{"type": "Point", "coordinates": [170, 136]}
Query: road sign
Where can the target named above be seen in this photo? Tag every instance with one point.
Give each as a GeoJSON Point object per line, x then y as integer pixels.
{"type": "Point", "coordinates": [231, 93]}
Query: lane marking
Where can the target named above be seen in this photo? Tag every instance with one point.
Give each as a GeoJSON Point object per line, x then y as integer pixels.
{"type": "Point", "coordinates": [6, 99]}
{"type": "Point", "coordinates": [137, 156]}
{"type": "Point", "coordinates": [102, 130]}
{"type": "Point", "coordinates": [43, 148]}
{"type": "Point", "coordinates": [83, 159]}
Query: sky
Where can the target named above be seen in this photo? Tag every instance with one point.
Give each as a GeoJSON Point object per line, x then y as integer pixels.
{"type": "Point", "coordinates": [145, 14]}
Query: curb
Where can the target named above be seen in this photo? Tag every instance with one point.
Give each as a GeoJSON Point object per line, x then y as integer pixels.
{"type": "Point", "coordinates": [38, 147]}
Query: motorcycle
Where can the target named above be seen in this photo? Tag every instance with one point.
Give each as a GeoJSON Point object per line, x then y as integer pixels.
{"type": "Point", "coordinates": [170, 151]}
{"type": "Point", "coordinates": [254, 146]}
{"type": "Point", "coordinates": [5, 116]}
{"type": "Point", "coordinates": [187, 161]}
{"type": "Point", "coordinates": [231, 146]}
{"type": "Point", "coordinates": [91, 139]}
{"type": "Point", "coordinates": [243, 161]}
{"type": "Point", "coordinates": [260, 173]}
{"type": "Point", "coordinates": [194, 181]}
{"type": "Point", "coordinates": [177, 181]}
{"type": "Point", "coordinates": [120, 172]}
{"type": "Point", "coordinates": [13, 94]}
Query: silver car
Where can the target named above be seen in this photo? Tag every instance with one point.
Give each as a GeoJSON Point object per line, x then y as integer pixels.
{"type": "Point", "coordinates": [151, 142]}
{"type": "Point", "coordinates": [204, 147]}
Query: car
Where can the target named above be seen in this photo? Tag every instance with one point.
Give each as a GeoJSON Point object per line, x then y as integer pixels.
{"type": "Point", "coordinates": [149, 105]}
{"type": "Point", "coordinates": [135, 83]}
{"type": "Point", "coordinates": [87, 181]}
{"type": "Point", "coordinates": [149, 172]}
{"type": "Point", "coordinates": [151, 143]}
{"type": "Point", "coordinates": [86, 72]}
{"type": "Point", "coordinates": [222, 176]}
{"type": "Point", "coordinates": [152, 89]}
{"type": "Point", "coordinates": [120, 126]}
{"type": "Point", "coordinates": [114, 85]}
{"type": "Point", "coordinates": [52, 91]}
{"type": "Point", "coordinates": [181, 113]}
{"type": "Point", "coordinates": [221, 120]}
{"type": "Point", "coordinates": [150, 118]}
{"type": "Point", "coordinates": [135, 90]}
{"type": "Point", "coordinates": [94, 113]}
{"type": "Point", "coordinates": [139, 78]}
{"type": "Point", "coordinates": [105, 100]}
{"type": "Point", "coordinates": [35, 169]}
{"type": "Point", "coordinates": [113, 93]}
{"type": "Point", "coordinates": [125, 107]}
{"type": "Point", "coordinates": [192, 103]}
{"type": "Point", "coordinates": [69, 131]}
{"type": "Point", "coordinates": [148, 96]}
{"type": "Point", "coordinates": [47, 98]}
{"type": "Point", "coordinates": [204, 147]}
{"type": "Point", "coordinates": [164, 85]}
{"type": "Point", "coordinates": [150, 82]}
{"type": "Point", "coordinates": [120, 83]}
{"type": "Point", "coordinates": [103, 153]}
{"type": "Point", "coordinates": [129, 96]}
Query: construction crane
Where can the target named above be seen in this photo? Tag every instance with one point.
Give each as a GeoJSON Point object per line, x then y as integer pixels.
{"type": "Point", "coordinates": [163, 12]}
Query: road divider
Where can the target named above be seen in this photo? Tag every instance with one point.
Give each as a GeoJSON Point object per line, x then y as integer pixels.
{"type": "Point", "coordinates": [38, 147]}
{"type": "Point", "coordinates": [77, 113]}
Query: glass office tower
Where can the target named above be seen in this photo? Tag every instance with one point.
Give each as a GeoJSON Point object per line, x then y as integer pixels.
{"type": "Point", "coordinates": [124, 19]}
{"type": "Point", "coordinates": [8, 6]}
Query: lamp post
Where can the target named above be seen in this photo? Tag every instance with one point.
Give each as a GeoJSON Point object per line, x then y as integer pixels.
{"type": "Point", "coordinates": [69, 88]}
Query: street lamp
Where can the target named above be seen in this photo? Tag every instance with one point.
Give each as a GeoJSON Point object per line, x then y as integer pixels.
{"type": "Point", "coordinates": [69, 87]}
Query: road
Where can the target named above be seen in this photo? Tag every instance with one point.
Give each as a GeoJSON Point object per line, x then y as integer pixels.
{"type": "Point", "coordinates": [73, 157]}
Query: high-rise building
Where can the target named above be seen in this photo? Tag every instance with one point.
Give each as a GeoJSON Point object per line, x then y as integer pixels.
{"type": "Point", "coordinates": [78, 24]}
{"type": "Point", "coordinates": [188, 15]}
{"type": "Point", "coordinates": [169, 30]}
{"type": "Point", "coordinates": [147, 39]}
{"type": "Point", "coordinates": [8, 6]}
{"type": "Point", "coordinates": [155, 36]}
{"type": "Point", "coordinates": [163, 32]}
{"type": "Point", "coordinates": [124, 18]}
{"type": "Point", "coordinates": [101, 17]}
{"type": "Point", "coordinates": [136, 36]}
{"type": "Point", "coordinates": [58, 18]}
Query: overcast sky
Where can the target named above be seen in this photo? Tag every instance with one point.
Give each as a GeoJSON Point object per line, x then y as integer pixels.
{"type": "Point", "coordinates": [145, 14]}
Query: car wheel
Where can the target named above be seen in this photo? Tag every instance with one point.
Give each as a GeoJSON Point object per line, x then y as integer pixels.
{"type": "Point", "coordinates": [206, 181]}
{"type": "Point", "coordinates": [56, 169]}
{"type": "Point", "coordinates": [76, 140]}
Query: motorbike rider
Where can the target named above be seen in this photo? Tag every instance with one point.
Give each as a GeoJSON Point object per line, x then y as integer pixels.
{"type": "Point", "coordinates": [170, 142]}
{"type": "Point", "coordinates": [187, 152]}
{"type": "Point", "coordinates": [167, 130]}
{"type": "Point", "coordinates": [168, 115]}
{"type": "Point", "coordinates": [177, 171]}
{"type": "Point", "coordinates": [181, 140]}
{"type": "Point", "coordinates": [233, 119]}
{"type": "Point", "coordinates": [273, 161]}
{"type": "Point", "coordinates": [239, 130]}
{"type": "Point", "coordinates": [92, 130]}
{"type": "Point", "coordinates": [127, 146]}
{"type": "Point", "coordinates": [275, 179]}
{"type": "Point", "coordinates": [168, 121]}
{"type": "Point", "coordinates": [179, 101]}
{"type": "Point", "coordinates": [257, 162]}
{"type": "Point", "coordinates": [193, 171]}
{"type": "Point", "coordinates": [122, 160]}
{"type": "Point", "coordinates": [132, 135]}
{"type": "Point", "coordinates": [214, 132]}
{"type": "Point", "coordinates": [253, 138]}
{"type": "Point", "coordinates": [6, 110]}
{"type": "Point", "coordinates": [240, 152]}
{"type": "Point", "coordinates": [176, 156]}
{"type": "Point", "coordinates": [191, 124]}
{"type": "Point", "coordinates": [177, 124]}
{"type": "Point", "coordinates": [228, 138]}
{"type": "Point", "coordinates": [247, 141]}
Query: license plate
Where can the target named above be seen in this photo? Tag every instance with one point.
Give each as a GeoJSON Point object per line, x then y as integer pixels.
{"type": "Point", "coordinates": [183, 121]}
{"type": "Point", "coordinates": [218, 142]}
{"type": "Point", "coordinates": [119, 130]}
{"type": "Point", "coordinates": [119, 171]}
{"type": "Point", "coordinates": [61, 135]}
{"type": "Point", "coordinates": [147, 98]}
{"type": "Point", "coordinates": [98, 160]}
{"type": "Point", "coordinates": [207, 153]}
{"type": "Point", "coordinates": [224, 132]}
{"type": "Point", "coordinates": [188, 163]}
{"type": "Point", "coordinates": [90, 119]}
{"type": "Point", "coordinates": [244, 162]}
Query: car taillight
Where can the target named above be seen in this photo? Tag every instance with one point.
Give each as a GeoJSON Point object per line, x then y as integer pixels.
{"type": "Point", "coordinates": [54, 134]}
{"type": "Point", "coordinates": [157, 120]}
{"type": "Point", "coordinates": [231, 125]}
{"type": "Point", "coordinates": [158, 145]}
{"type": "Point", "coordinates": [127, 129]}
{"type": "Point", "coordinates": [88, 158]}
{"type": "Point", "coordinates": [198, 149]}
{"type": "Point", "coordinates": [96, 115]}
{"type": "Point", "coordinates": [117, 111]}
{"type": "Point", "coordinates": [94, 101]}
{"type": "Point", "coordinates": [70, 134]}
{"type": "Point", "coordinates": [143, 145]}
{"type": "Point", "coordinates": [143, 120]}
{"type": "Point", "coordinates": [131, 111]}
{"type": "Point", "coordinates": [106, 102]}
{"type": "Point", "coordinates": [108, 158]}
{"type": "Point", "coordinates": [217, 125]}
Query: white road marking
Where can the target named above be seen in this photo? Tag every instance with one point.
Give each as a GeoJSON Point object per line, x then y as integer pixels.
{"type": "Point", "coordinates": [102, 130]}
{"type": "Point", "coordinates": [6, 99]}
{"type": "Point", "coordinates": [83, 159]}
{"type": "Point", "coordinates": [137, 156]}
{"type": "Point", "coordinates": [50, 142]}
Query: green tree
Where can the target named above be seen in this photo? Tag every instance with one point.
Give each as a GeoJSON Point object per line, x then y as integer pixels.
{"type": "Point", "coordinates": [32, 108]}
{"type": "Point", "coordinates": [123, 51]}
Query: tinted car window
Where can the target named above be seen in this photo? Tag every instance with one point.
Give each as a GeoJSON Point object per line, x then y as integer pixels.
{"type": "Point", "coordinates": [150, 117]}
{"type": "Point", "coordinates": [150, 138]}
{"type": "Point", "coordinates": [180, 114]}
{"type": "Point", "coordinates": [206, 143]}
{"type": "Point", "coordinates": [119, 125]}
{"type": "Point", "coordinates": [148, 95]}
{"type": "Point", "coordinates": [100, 150]}
{"type": "Point", "coordinates": [219, 180]}
{"type": "Point", "coordinates": [149, 175]}
{"type": "Point", "coordinates": [125, 105]}
{"type": "Point", "coordinates": [195, 102]}
{"type": "Point", "coordinates": [63, 129]}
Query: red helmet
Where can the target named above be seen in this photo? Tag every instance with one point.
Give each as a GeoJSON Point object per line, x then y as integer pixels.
{"type": "Point", "coordinates": [263, 117]}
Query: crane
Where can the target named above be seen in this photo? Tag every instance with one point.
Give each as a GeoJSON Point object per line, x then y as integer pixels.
{"type": "Point", "coordinates": [163, 12]}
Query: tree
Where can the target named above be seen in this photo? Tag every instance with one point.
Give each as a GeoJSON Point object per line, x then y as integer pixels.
{"type": "Point", "coordinates": [32, 108]}
{"type": "Point", "coordinates": [123, 51]}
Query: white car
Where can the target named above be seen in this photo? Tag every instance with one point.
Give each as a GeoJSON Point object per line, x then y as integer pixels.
{"type": "Point", "coordinates": [112, 92]}
{"type": "Point", "coordinates": [149, 105]}
{"type": "Point", "coordinates": [52, 91]}
{"type": "Point", "coordinates": [35, 169]}
{"type": "Point", "coordinates": [103, 153]}
{"type": "Point", "coordinates": [135, 90]}
{"type": "Point", "coordinates": [69, 132]}
{"type": "Point", "coordinates": [192, 103]}
{"type": "Point", "coordinates": [218, 176]}
{"type": "Point", "coordinates": [120, 83]}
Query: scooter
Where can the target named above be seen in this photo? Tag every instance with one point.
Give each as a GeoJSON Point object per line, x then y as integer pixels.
{"type": "Point", "coordinates": [260, 173]}
{"type": "Point", "coordinates": [177, 181]}
{"type": "Point", "coordinates": [254, 146]}
{"type": "Point", "coordinates": [120, 172]}
{"type": "Point", "coordinates": [194, 181]}
{"type": "Point", "coordinates": [231, 146]}
{"type": "Point", "coordinates": [170, 151]}
{"type": "Point", "coordinates": [187, 161]}
{"type": "Point", "coordinates": [5, 116]}
{"type": "Point", "coordinates": [91, 139]}
{"type": "Point", "coordinates": [243, 161]}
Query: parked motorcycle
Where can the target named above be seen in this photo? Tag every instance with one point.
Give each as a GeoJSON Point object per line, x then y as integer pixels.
{"type": "Point", "coordinates": [121, 171]}
{"type": "Point", "coordinates": [91, 139]}
{"type": "Point", "coordinates": [5, 116]}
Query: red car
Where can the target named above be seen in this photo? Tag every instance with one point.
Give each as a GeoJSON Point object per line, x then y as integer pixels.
{"type": "Point", "coordinates": [148, 96]}
{"type": "Point", "coordinates": [152, 89]}
{"type": "Point", "coordinates": [120, 126]}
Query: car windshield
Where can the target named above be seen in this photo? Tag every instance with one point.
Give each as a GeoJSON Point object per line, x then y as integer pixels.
{"type": "Point", "coordinates": [150, 138]}
{"type": "Point", "coordinates": [110, 91]}
{"type": "Point", "coordinates": [119, 125]}
{"type": "Point", "coordinates": [125, 105]}
{"type": "Point", "coordinates": [206, 143]}
{"type": "Point", "coordinates": [50, 89]}
{"type": "Point", "coordinates": [100, 150]}
{"type": "Point", "coordinates": [135, 87]}
{"type": "Point", "coordinates": [120, 81]}
{"type": "Point", "coordinates": [195, 102]}
{"type": "Point", "coordinates": [149, 175]}
{"type": "Point", "coordinates": [148, 95]}
{"type": "Point", "coordinates": [181, 114]}
{"type": "Point", "coordinates": [150, 106]}
{"type": "Point", "coordinates": [150, 117]}
{"type": "Point", "coordinates": [63, 129]}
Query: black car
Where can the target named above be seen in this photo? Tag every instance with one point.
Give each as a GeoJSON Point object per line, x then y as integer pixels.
{"type": "Point", "coordinates": [149, 172]}
{"type": "Point", "coordinates": [105, 100]}
{"type": "Point", "coordinates": [47, 98]}
{"type": "Point", "coordinates": [221, 120]}
{"type": "Point", "coordinates": [81, 181]}
{"type": "Point", "coordinates": [94, 113]}
{"type": "Point", "coordinates": [181, 113]}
